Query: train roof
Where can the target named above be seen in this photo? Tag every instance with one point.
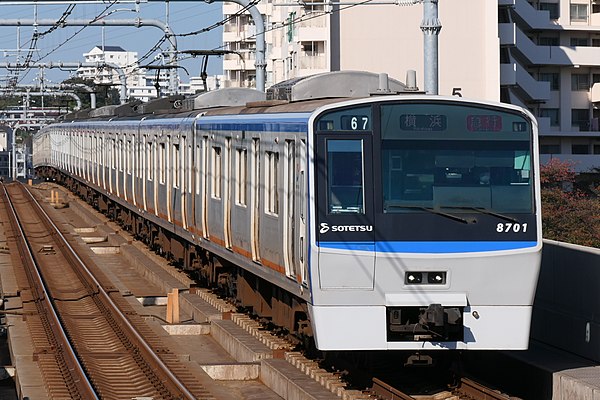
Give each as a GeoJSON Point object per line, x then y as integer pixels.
{"type": "Point", "coordinates": [304, 94]}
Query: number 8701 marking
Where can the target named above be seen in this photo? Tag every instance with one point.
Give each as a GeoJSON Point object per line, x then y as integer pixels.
{"type": "Point", "coordinates": [511, 227]}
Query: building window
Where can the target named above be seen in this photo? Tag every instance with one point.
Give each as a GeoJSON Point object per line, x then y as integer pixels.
{"type": "Point", "coordinates": [552, 8]}
{"type": "Point", "coordinates": [551, 113]}
{"type": "Point", "coordinates": [553, 78]}
{"type": "Point", "coordinates": [580, 149]}
{"type": "Point", "coordinates": [580, 82]}
{"type": "Point", "coordinates": [548, 41]}
{"type": "Point", "coordinates": [579, 42]}
{"type": "Point", "coordinates": [579, 12]}
{"type": "Point", "coordinates": [597, 149]}
{"type": "Point", "coordinates": [549, 149]}
{"type": "Point", "coordinates": [580, 118]}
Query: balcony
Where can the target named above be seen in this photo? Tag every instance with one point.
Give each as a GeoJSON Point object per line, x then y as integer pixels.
{"type": "Point", "coordinates": [243, 33]}
{"type": "Point", "coordinates": [318, 62]}
{"type": "Point", "coordinates": [515, 75]}
{"type": "Point", "coordinates": [596, 93]}
{"type": "Point", "coordinates": [233, 62]}
{"type": "Point", "coordinates": [511, 35]}
{"type": "Point", "coordinates": [525, 14]}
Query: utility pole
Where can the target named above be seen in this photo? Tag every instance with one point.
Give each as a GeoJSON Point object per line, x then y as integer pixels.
{"type": "Point", "coordinates": [431, 28]}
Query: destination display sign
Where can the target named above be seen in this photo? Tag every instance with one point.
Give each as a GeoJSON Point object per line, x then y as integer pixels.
{"type": "Point", "coordinates": [423, 122]}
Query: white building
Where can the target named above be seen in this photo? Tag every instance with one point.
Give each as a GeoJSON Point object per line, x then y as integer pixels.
{"type": "Point", "coordinates": [127, 60]}
{"type": "Point", "coordinates": [540, 54]}
{"type": "Point", "coordinates": [141, 83]}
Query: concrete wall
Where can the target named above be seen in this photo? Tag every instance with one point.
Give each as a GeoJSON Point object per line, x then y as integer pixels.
{"type": "Point", "coordinates": [381, 38]}
{"type": "Point", "coordinates": [566, 310]}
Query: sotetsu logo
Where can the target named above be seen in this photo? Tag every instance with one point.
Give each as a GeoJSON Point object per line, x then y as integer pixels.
{"type": "Point", "coordinates": [344, 228]}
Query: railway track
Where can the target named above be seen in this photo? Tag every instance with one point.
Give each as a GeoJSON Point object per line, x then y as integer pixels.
{"type": "Point", "coordinates": [87, 342]}
{"type": "Point", "coordinates": [467, 390]}
{"type": "Point", "coordinates": [380, 390]}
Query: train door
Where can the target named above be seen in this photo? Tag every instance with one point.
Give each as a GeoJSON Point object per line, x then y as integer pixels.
{"type": "Point", "coordinates": [143, 160]}
{"type": "Point", "coordinates": [118, 164]}
{"type": "Point", "coordinates": [227, 194]}
{"type": "Point", "coordinates": [302, 207]}
{"type": "Point", "coordinates": [204, 195]}
{"type": "Point", "coordinates": [127, 185]}
{"type": "Point", "coordinates": [345, 215]}
{"type": "Point", "coordinates": [156, 172]}
{"type": "Point", "coordinates": [103, 159]}
{"type": "Point", "coordinates": [289, 212]}
{"type": "Point", "coordinates": [172, 151]}
{"type": "Point", "coordinates": [183, 180]}
{"type": "Point", "coordinates": [255, 195]}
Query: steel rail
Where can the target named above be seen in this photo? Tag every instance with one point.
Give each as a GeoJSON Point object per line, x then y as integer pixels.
{"type": "Point", "coordinates": [141, 343]}
{"type": "Point", "coordinates": [478, 391]}
{"type": "Point", "coordinates": [388, 392]}
{"type": "Point", "coordinates": [84, 387]}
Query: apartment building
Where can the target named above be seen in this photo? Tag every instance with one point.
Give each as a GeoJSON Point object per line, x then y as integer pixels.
{"type": "Point", "coordinates": [127, 60]}
{"type": "Point", "coordinates": [550, 63]}
{"type": "Point", "coordinates": [540, 54]}
{"type": "Point", "coordinates": [305, 38]}
{"type": "Point", "coordinates": [296, 36]}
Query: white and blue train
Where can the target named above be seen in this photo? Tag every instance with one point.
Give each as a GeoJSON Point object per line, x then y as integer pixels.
{"type": "Point", "coordinates": [383, 222]}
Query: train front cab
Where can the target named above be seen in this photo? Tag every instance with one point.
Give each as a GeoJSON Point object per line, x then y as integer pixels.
{"type": "Point", "coordinates": [425, 232]}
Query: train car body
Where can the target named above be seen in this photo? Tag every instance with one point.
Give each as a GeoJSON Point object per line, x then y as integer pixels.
{"type": "Point", "coordinates": [399, 222]}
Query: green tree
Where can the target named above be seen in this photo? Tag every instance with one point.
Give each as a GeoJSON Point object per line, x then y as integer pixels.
{"type": "Point", "coordinates": [569, 214]}
{"type": "Point", "coordinates": [105, 95]}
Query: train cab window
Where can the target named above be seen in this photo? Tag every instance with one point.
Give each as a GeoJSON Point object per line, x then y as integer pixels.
{"type": "Point", "coordinates": [449, 156]}
{"type": "Point", "coordinates": [345, 176]}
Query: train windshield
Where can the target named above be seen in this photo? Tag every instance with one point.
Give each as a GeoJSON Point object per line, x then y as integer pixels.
{"type": "Point", "coordinates": [445, 156]}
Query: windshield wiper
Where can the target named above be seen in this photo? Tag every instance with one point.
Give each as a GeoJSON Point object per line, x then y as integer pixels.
{"type": "Point", "coordinates": [431, 210]}
{"type": "Point", "coordinates": [485, 211]}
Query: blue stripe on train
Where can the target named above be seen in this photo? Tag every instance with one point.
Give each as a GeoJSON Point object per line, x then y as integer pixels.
{"type": "Point", "coordinates": [427, 247]}
{"type": "Point", "coordinates": [284, 122]}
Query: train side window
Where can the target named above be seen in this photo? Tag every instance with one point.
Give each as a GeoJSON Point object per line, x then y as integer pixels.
{"type": "Point", "coordinates": [113, 158]}
{"type": "Point", "coordinates": [161, 162]}
{"type": "Point", "coordinates": [129, 156]}
{"type": "Point", "coordinates": [345, 176]}
{"type": "Point", "coordinates": [190, 168]}
{"type": "Point", "coordinates": [150, 161]}
{"type": "Point", "coordinates": [197, 165]}
{"type": "Point", "coordinates": [216, 167]}
{"type": "Point", "coordinates": [176, 165]}
{"type": "Point", "coordinates": [241, 176]}
{"type": "Point", "coordinates": [271, 189]}
{"type": "Point", "coordinates": [121, 156]}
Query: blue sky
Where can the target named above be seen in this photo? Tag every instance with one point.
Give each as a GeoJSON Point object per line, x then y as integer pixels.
{"type": "Point", "coordinates": [185, 16]}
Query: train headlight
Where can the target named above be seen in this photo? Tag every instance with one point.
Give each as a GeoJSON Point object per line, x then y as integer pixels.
{"type": "Point", "coordinates": [413, 278]}
{"type": "Point", "coordinates": [436, 278]}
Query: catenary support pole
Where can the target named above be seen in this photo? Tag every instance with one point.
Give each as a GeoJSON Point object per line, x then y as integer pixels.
{"type": "Point", "coordinates": [431, 28]}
